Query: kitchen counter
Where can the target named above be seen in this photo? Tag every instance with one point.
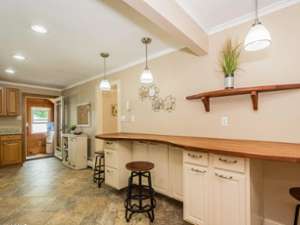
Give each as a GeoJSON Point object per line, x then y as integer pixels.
{"type": "Point", "coordinates": [244, 148]}
{"type": "Point", "coordinates": [10, 131]}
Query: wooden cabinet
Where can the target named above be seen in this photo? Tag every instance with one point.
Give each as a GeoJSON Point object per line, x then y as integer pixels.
{"type": "Point", "coordinates": [159, 155]}
{"type": "Point", "coordinates": [176, 172]}
{"type": "Point", "coordinates": [117, 155]}
{"type": "Point", "coordinates": [10, 150]}
{"type": "Point", "coordinates": [228, 198]}
{"type": "Point", "coordinates": [9, 101]}
{"type": "Point", "coordinates": [196, 181]}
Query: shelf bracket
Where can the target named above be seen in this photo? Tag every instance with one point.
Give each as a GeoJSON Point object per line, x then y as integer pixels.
{"type": "Point", "coordinates": [205, 101]}
{"type": "Point", "coordinates": [254, 98]}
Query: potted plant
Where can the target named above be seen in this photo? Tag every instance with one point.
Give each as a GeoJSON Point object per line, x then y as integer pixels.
{"type": "Point", "coordinates": [229, 62]}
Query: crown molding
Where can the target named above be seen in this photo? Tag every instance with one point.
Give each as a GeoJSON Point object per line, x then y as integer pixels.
{"type": "Point", "coordinates": [29, 86]}
{"type": "Point", "coordinates": [251, 16]}
{"type": "Point", "coordinates": [121, 68]}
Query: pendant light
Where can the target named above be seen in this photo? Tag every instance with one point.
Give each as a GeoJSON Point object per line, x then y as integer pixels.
{"type": "Point", "coordinates": [146, 77]}
{"type": "Point", "coordinates": [258, 36]}
{"type": "Point", "coordinates": [104, 84]}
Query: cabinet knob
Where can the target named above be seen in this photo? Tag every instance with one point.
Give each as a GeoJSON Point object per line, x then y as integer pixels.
{"type": "Point", "coordinates": [228, 161]}
{"type": "Point", "coordinates": [224, 177]}
{"type": "Point", "coordinates": [198, 171]}
{"type": "Point", "coordinates": [195, 156]}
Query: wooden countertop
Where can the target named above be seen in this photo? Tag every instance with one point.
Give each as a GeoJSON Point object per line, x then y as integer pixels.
{"type": "Point", "coordinates": [279, 151]}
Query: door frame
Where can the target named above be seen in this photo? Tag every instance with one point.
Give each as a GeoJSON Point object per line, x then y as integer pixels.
{"type": "Point", "coordinates": [24, 118]}
{"type": "Point", "coordinates": [99, 112]}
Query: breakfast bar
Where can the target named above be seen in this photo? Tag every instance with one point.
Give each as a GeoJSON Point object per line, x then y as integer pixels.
{"type": "Point", "coordinates": [214, 178]}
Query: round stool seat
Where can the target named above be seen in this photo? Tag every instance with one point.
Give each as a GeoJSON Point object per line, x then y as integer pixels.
{"type": "Point", "coordinates": [295, 192]}
{"type": "Point", "coordinates": [140, 166]}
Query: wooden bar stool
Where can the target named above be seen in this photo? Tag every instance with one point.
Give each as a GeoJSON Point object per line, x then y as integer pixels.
{"type": "Point", "coordinates": [140, 197]}
{"type": "Point", "coordinates": [99, 168]}
{"type": "Point", "coordinates": [295, 192]}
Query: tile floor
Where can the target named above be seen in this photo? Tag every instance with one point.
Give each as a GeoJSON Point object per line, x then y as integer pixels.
{"type": "Point", "coordinates": [44, 192]}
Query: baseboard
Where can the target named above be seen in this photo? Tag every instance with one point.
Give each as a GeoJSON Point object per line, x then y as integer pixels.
{"type": "Point", "coordinates": [271, 222]}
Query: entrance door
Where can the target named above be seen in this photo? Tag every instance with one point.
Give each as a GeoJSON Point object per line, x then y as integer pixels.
{"type": "Point", "coordinates": [39, 114]}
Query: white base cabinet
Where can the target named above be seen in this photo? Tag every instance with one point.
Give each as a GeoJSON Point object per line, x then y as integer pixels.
{"type": "Point", "coordinates": [215, 189]}
{"type": "Point", "coordinates": [196, 193]}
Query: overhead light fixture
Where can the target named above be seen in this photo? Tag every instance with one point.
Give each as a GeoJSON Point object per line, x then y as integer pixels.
{"type": "Point", "coordinates": [19, 57]}
{"type": "Point", "coordinates": [10, 71]}
{"type": "Point", "coordinates": [39, 29]}
{"type": "Point", "coordinates": [258, 36]}
{"type": "Point", "coordinates": [146, 77]}
{"type": "Point", "coordinates": [104, 84]}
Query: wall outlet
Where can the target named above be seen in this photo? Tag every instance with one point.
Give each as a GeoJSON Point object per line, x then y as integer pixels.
{"type": "Point", "coordinates": [123, 118]}
{"type": "Point", "coordinates": [224, 121]}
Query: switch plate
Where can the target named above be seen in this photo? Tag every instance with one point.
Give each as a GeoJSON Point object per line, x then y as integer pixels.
{"type": "Point", "coordinates": [224, 121]}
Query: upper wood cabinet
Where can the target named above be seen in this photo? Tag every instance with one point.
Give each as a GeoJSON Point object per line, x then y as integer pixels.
{"type": "Point", "coordinates": [2, 102]}
{"type": "Point", "coordinates": [9, 101]}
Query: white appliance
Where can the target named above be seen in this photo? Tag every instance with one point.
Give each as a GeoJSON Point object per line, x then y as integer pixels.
{"type": "Point", "coordinates": [74, 151]}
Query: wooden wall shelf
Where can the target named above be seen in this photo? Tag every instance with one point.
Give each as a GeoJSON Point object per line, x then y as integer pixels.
{"type": "Point", "coordinates": [252, 91]}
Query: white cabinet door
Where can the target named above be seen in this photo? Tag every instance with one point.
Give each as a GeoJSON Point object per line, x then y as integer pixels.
{"type": "Point", "coordinates": [159, 155]}
{"type": "Point", "coordinates": [229, 198]}
{"type": "Point", "coordinates": [72, 151]}
{"type": "Point", "coordinates": [176, 172]}
{"type": "Point", "coordinates": [195, 187]}
{"type": "Point", "coordinates": [140, 151]}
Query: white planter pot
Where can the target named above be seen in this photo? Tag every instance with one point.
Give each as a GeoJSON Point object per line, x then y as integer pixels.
{"type": "Point", "coordinates": [229, 82]}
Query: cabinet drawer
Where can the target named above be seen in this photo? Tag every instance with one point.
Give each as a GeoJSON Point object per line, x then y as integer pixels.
{"type": "Point", "coordinates": [111, 177]}
{"type": "Point", "coordinates": [110, 144]}
{"type": "Point", "coordinates": [199, 158]}
{"type": "Point", "coordinates": [111, 158]}
{"type": "Point", "coordinates": [10, 137]}
{"type": "Point", "coordinates": [229, 163]}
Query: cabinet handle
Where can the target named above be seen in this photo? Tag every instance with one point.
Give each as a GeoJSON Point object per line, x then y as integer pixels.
{"type": "Point", "coordinates": [194, 156]}
{"type": "Point", "coordinates": [228, 161]}
{"type": "Point", "coordinates": [224, 177]}
{"type": "Point", "coordinates": [109, 171]}
{"type": "Point", "coordinates": [109, 142]}
{"type": "Point", "coordinates": [198, 171]}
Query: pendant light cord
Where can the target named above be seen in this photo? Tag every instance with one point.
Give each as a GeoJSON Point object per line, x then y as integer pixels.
{"type": "Point", "coordinates": [146, 46]}
{"type": "Point", "coordinates": [104, 64]}
{"type": "Point", "coordinates": [256, 13]}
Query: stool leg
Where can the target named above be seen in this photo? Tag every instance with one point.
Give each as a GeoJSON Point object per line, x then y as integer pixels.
{"type": "Point", "coordinates": [101, 171]}
{"type": "Point", "coordinates": [95, 168]}
{"type": "Point", "coordinates": [296, 214]}
{"type": "Point", "coordinates": [129, 193]}
{"type": "Point", "coordinates": [152, 200]}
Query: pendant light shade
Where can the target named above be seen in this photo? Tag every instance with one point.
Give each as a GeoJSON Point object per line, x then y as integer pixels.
{"type": "Point", "coordinates": [258, 36]}
{"type": "Point", "coordinates": [146, 77]}
{"type": "Point", "coordinates": [104, 83]}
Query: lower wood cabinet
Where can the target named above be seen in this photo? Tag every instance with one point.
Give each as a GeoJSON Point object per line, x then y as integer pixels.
{"type": "Point", "coordinates": [196, 194]}
{"type": "Point", "coordinates": [10, 150]}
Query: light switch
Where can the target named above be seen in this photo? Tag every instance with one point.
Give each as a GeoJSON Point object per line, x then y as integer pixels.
{"type": "Point", "coordinates": [123, 118]}
{"type": "Point", "coordinates": [224, 121]}
{"type": "Point", "coordinates": [132, 118]}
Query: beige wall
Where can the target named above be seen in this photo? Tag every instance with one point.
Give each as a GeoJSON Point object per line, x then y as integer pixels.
{"type": "Point", "coordinates": [182, 74]}
{"type": "Point", "coordinates": [17, 121]}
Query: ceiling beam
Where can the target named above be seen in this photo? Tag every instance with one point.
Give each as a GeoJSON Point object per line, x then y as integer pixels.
{"type": "Point", "coordinates": [169, 16]}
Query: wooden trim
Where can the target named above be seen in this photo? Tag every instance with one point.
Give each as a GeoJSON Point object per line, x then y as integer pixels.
{"type": "Point", "coordinates": [278, 151]}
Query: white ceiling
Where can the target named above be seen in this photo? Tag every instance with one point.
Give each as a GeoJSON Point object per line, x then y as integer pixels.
{"type": "Point", "coordinates": [79, 30]}
{"type": "Point", "coordinates": [213, 15]}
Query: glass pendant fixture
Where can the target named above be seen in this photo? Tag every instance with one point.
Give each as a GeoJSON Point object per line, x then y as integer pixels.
{"type": "Point", "coordinates": [104, 84]}
{"type": "Point", "coordinates": [258, 36]}
{"type": "Point", "coordinates": [146, 77]}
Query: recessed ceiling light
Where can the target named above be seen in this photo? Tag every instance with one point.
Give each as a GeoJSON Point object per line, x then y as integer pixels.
{"type": "Point", "coordinates": [10, 71]}
{"type": "Point", "coordinates": [19, 57]}
{"type": "Point", "coordinates": [39, 29]}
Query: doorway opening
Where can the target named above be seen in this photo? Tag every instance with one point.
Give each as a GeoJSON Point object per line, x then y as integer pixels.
{"type": "Point", "coordinates": [39, 127]}
{"type": "Point", "coordinates": [108, 111]}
